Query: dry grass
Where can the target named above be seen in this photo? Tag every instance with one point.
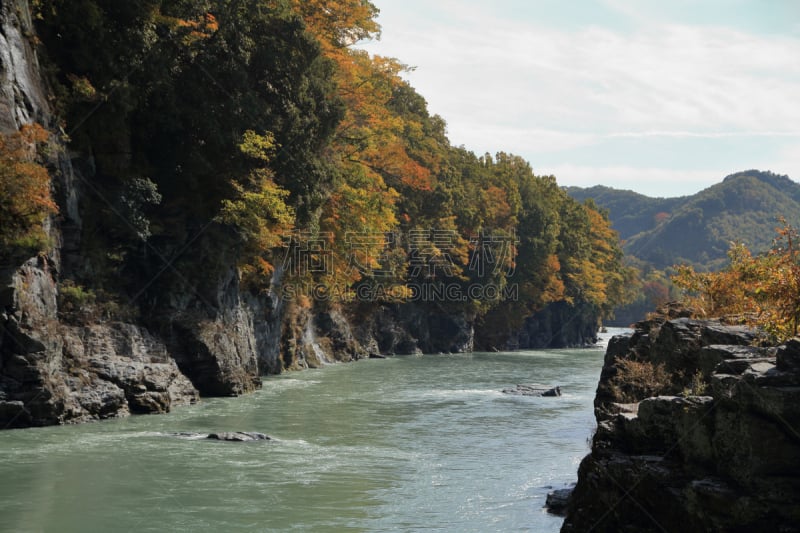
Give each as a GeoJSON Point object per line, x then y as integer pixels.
{"type": "Point", "coordinates": [637, 380]}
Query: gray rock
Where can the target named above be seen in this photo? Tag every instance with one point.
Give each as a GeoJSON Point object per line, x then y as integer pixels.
{"type": "Point", "coordinates": [238, 436]}
{"type": "Point", "coordinates": [727, 461]}
{"type": "Point", "coordinates": [411, 328]}
{"type": "Point", "coordinates": [22, 96]}
{"type": "Point", "coordinates": [788, 357]}
{"type": "Point", "coordinates": [558, 501]}
{"type": "Point", "coordinates": [534, 390]}
{"type": "Point", "coordinates": [64, 374]}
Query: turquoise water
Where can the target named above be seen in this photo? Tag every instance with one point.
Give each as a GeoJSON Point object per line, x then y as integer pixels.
{"type": "Point", "coordinates": [424, 443]}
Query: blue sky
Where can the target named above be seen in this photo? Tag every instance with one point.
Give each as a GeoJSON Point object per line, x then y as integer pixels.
{"type": "Point", "coordinates": [661, 97]}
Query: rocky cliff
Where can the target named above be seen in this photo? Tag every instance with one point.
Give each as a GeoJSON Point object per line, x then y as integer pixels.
{"type": "Point", "coordinates": [86, 334]}
{"type": "Point", "coordinates": [52, 371]}
{"type": "Point", "coordinates": [193, 332]}
{"type": "Point", "coordinates": [698, 430]}
{"type": "Point", "coordinates": [559, 325]}
{"type": "Point", "coordinates": [193, 335]}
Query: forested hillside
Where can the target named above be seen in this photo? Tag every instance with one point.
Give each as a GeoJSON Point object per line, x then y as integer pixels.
{"type": "Point", "coordinates": [630, 213]}
{"type": "Point", "coordinates": [696, 230]}
{"type": "Point", "coordinates": [237, 186]}
{"type": "Point", "coordinates": [247, 121]}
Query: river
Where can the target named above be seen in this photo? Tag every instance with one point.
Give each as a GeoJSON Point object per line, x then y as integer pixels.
{"type": "Point", "coordinates": [414, 443]}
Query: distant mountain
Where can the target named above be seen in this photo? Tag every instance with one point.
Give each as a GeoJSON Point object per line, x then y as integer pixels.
{"type": "Point", "coordinates": [631, 213]}
{"type": "Point", "coordinates": [698, 229]}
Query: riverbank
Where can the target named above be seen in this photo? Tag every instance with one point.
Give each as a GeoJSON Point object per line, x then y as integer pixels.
{"type": "Point", "coordinates": [697, 431]}
{"type": "Point", "coordinates": [154, 280]}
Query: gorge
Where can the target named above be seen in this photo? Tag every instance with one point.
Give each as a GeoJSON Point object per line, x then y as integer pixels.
{"type": "Point", "coordinates": [214, 173]}
{"type": "Point", "coordinates": [145, 295]}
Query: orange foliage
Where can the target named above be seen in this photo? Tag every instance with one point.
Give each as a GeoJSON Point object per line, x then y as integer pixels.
{"type": "Point", "coordinates": [370, 135]}
{"type": "Point", "coordinates": [496, 208]}
{"type": "Point", "coordinates": [763, 290]}
{"type": "Point", "coordinates": [370, 145]}
{"type": "Point", "coordinates": [338, 23]}
{"type": "Point", "coordinates": [196, 29]}
{"type": "Point", "coordinates": [554, 288]}
{"type": "Point", "coordinates": [660, 217]}
{"type": "Point", "coordinates": [25, 199]}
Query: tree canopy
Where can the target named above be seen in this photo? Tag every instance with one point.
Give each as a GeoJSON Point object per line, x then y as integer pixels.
{"type": "Point", "coordinates": [259, 124]}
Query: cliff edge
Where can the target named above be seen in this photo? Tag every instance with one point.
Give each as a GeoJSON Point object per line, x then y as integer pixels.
{"type": "Point", "coordinates": [698, 430]}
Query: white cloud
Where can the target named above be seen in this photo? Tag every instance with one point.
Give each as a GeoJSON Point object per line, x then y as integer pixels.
{"type": "Point", "coordinates": [702, 135]}
{"type": "Point", "coordinates": [676, 78]}
{"type": "Point", "coordinates": [787, 162]}
{"type": "Point", "coordinates": [654, 182]}
{"type": "Point", "coordinates": [519, 86]}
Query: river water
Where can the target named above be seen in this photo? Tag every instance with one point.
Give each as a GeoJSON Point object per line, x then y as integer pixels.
{"type": "Point", "coordinates": [416, 443]}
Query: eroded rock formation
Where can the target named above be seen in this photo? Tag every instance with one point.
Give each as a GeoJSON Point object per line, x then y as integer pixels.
{"type": "Point", "coordinates": [714, 447]}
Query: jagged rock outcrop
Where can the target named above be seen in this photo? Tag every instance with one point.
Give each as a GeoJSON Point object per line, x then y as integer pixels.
{"type": "Point", "coordinates": [716, 446]}
{"type": "Point", "coordinates": [559, 325]}
{"type": "Point", "coordinates": [312, 338]}
{"type": "Point", "coordinates": [54, 373]}
{"type": "Point", "coordinates": [412, 328]}
{"type": "Point", "coordinates": [51, 371]}
{"type": "Point", "coordinates": [218, 344]}
{"type": "Point", "coordinates": [558, 501]}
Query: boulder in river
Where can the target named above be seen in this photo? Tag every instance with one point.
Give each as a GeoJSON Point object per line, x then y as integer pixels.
{"type": "Point", "coordinates": [534, 390]}
{"type": "Point", "coordinates": [238, 436]}
{"type": "Point", "coordinates": [558, 500]}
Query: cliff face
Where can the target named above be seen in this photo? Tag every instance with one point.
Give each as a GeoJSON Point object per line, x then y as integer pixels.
{"type": "Point", "coordinates": [202, 333]}
{"type": "Point", "coordinates": [50, 371]}
{"type": "Point", "coordinates": [179, 323]}
{"type": "Point", "coordinates": [710, 441]}
{"type": "Point", "coordinates": [22, 98]}
{"type": "Point", "coordinates": [559, 325]}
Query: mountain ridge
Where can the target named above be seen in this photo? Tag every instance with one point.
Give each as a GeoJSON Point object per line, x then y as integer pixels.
{"type": "Point", "coordinates": [698, 229]}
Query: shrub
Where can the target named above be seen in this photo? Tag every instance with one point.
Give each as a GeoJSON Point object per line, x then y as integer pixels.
{"type": "Point", "coordinates": [78, 304]}
{"type": "Point", "coordinates": [637, 380]}
{"type": "Point", "coordinates": [697, 386]}
{"type": "Point", "coordinates": [74, 299]}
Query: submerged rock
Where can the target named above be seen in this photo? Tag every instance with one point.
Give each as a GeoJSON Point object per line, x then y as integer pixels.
{"type": "Point", "coordinates": [238, 436]}
{"type": "Point", "coordinates": [229, 436]}
{"type": "Point", "coordinates": [534, 390]}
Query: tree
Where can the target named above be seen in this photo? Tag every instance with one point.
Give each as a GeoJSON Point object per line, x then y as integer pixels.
{"type": "Point", "coordinates": [762, 290]}
{"type": "Point", "coordinates": [259, 211]}
{"type": "Point", "coordinates": [25, 199]}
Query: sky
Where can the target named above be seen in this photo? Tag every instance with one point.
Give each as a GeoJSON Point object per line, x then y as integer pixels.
{"type": "Point", "coordinates": [661, 97]}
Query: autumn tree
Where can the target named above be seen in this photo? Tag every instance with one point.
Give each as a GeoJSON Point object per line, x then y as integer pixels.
{"type": "Point", "coordinates": [25, 199]}
{"type": "Point", "coordinates": [258, 211]}
{"type": "Point", "coordinates": [762, 290]}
